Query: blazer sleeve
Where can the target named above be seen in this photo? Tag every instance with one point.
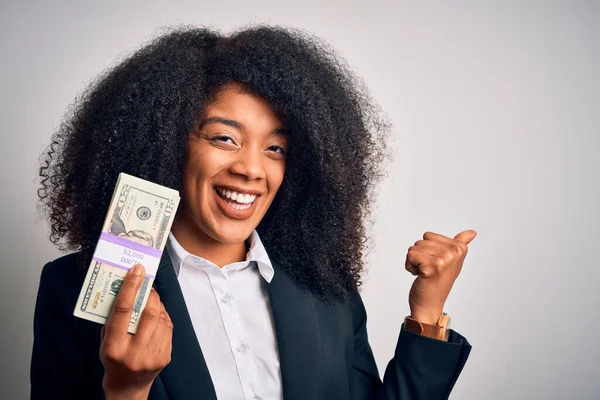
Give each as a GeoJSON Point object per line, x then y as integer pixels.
{"type": "Point", "coordinates": [422, 368]}
{"type": "Point", "coordinates": [62, 366]}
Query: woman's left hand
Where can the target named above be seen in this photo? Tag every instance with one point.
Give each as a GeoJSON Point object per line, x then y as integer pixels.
{"type": "Point", "coordinates": [437, 261]}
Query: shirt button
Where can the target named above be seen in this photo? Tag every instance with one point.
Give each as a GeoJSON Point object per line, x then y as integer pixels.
{"type": "Point", "coordinates": [242, 348]}
{"type": "Point", "coordinates": [225, 299]}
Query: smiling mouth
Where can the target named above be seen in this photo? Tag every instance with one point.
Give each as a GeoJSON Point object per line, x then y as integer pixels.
{"type": "Point", "coordinates": [236, 200]}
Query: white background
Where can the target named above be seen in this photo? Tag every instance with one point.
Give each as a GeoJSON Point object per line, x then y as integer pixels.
{"type": "Point", "coordinates": [496, 112]}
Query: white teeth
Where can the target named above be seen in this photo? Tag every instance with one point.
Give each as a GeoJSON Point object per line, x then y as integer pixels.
{"type": "Point", "coordinates": [239, 198]}
{"type": "Point", "coordinates": [238, 206]}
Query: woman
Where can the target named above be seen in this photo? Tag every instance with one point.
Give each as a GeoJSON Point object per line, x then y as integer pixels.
{"type": "Point", "coordinates": [275, 148]}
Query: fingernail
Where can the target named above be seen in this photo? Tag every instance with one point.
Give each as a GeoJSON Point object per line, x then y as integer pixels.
{"type": "Point", "coordinates": [137, 270]}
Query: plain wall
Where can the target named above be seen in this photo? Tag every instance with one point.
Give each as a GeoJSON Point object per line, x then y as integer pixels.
{"type": "Point", "coordinates": [496, 113]}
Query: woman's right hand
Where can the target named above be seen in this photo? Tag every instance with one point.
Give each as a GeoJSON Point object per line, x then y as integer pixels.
{"type": "Point", "coordinates": [131, 362]}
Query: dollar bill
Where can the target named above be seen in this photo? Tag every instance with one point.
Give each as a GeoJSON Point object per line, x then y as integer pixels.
{"type": "Point", "coordinates": [135, 231]}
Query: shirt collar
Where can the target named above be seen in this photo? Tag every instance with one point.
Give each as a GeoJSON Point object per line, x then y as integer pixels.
{"type": "Point", "coordinates": [256, 253]}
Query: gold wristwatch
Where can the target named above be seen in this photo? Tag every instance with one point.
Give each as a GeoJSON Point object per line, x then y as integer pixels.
{"type": "Point", "coordinates": [439, 331]}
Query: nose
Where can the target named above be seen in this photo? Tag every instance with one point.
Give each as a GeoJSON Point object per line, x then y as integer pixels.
{"type": "Point", "coordinates": [249, 164]}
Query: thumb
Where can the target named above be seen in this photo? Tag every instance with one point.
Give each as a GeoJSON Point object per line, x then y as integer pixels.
{"type": "Point", "coordinates": [466, 236]}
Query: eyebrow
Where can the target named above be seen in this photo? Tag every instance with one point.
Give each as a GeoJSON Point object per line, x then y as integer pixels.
{"type": "Point", "coordinates": [219, 120]}
{"type": "Point", "coordinates": [233, 124]}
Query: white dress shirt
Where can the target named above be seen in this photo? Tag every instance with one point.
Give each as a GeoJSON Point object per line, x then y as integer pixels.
{"type": "Point", "coordinates": [230, 311]}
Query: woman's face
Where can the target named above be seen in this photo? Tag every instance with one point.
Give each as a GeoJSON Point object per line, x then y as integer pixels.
{"type": "Point", "coordinates": [235, 165]}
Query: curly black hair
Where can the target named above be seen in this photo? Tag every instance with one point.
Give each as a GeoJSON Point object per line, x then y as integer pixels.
{"type": "Point", "coordinates": [136, 117]}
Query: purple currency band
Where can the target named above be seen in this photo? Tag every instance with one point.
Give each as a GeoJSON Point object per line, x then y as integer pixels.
{"type": "Point", "coordinates": [119, 266]}
{"type": "Point", "coordinates": [138, 247]}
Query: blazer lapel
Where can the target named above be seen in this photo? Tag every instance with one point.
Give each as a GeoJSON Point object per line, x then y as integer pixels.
{"type": "Point", "coordinates": [186, 376]}
{"type": "Point", "coordinates": [298, 340]}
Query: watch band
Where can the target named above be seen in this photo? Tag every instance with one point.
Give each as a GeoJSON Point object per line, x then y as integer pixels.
{"type": "Point", "coordinates": [439, 331]}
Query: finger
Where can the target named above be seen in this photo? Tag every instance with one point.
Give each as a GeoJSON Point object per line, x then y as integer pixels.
{"type": "Point", "coordinates": [118, 321]}
{"type": "Point", "coordinates": [155, 340]}
{"type": "Point", "coordinates": [410, 268]}
{"type": "Point", "coordinates": [431, 247]}
{"type": "Point", "coordinates": [422, 262]}
{"type": "Point", "coordinates": [164, 325]}
{"type": "Point", "coordinates": [466, 236]}
{"type": "Point", "coordinates": [166, 343]}
{"type": "Point", "coordinates": [436, 236]}
{"type": "Point", "coordinates": [148, 321]}
{"type": "Point", "coordinates": [102, 334]}
{"type": "Point", "coordinates": [461, 240]}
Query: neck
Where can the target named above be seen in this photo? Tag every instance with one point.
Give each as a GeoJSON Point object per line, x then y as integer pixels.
{"type": "Point", "coordinates": [196, 242]}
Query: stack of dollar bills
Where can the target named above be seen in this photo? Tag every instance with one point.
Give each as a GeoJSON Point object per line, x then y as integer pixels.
{"type": "Point", "coordinates": [135, 231]}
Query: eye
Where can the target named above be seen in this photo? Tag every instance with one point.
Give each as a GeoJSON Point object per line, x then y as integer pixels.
{"type": "Point", "coordinates": [276, 149]}
{"type": "Point", "coordinates": [222, 138]}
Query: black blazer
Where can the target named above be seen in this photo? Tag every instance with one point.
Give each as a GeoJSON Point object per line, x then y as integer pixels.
{"type": "Point", "coordinates": [323, 348]}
